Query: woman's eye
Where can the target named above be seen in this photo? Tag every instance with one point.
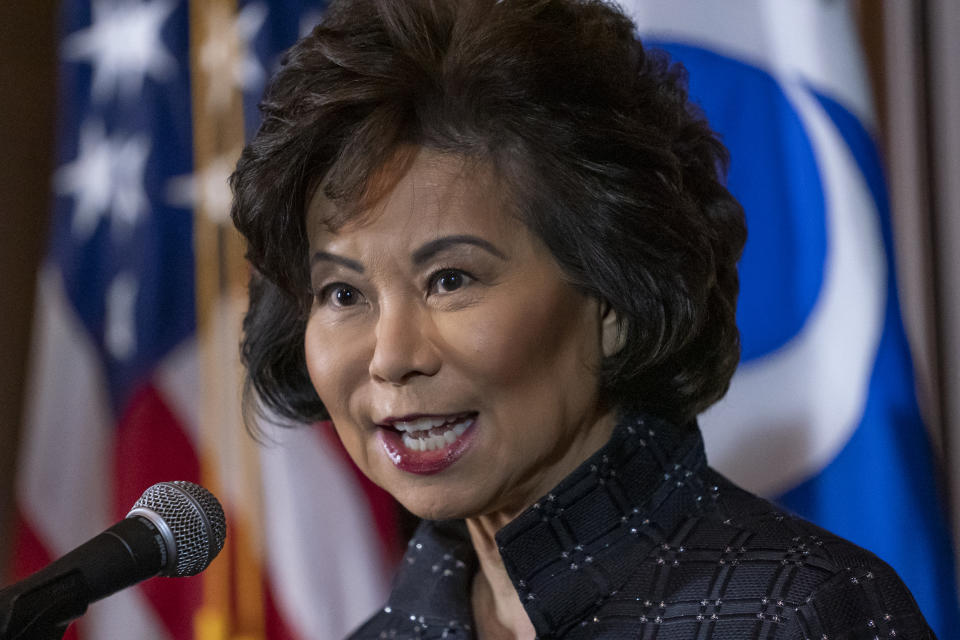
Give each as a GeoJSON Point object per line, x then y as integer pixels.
{"type": "Point", "coordinates": [339, 295]}
{"type": "Point", "coordinates": [448, 280]}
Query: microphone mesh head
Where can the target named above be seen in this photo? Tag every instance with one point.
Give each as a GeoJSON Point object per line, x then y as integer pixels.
{"type": "Point", "coordinates": [195, 518]}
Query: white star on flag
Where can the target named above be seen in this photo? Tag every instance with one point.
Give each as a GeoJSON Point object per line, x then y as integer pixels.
{"type": "Point", "coordinates": [106, 179]}
{"type": "Point", "coordinates": [208, 188]}
{"type": "Point", "coordinates": [123, 44]}
{"type": "Point", "coordinates": [225, 55]}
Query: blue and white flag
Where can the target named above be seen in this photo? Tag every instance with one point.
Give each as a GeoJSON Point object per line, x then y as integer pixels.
{"type": "Point", "coordinates": [822, 414]}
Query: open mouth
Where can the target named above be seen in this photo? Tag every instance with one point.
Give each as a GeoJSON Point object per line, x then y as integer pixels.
{"type": "Point", "coordinates": [429, 433]}
{"type": "Point", "coordinates": [427, 444]}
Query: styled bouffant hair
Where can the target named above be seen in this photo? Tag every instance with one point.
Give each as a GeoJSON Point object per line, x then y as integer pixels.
{"type": "Point", "coordinates": [601, 152]}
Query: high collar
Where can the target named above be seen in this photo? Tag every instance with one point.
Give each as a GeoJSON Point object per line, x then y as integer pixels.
{"type": "Point", "coordinates": [577, 545]}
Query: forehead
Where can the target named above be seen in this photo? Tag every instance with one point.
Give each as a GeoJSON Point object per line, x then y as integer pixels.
{"type": "Point", "coordinates": [419, 192]}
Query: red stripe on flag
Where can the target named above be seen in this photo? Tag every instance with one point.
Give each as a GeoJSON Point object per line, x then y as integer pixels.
{"type": "Point", "coordinates": [151, 447]}
{"type": "Point", "coordinates": [383, 507]}
{"type": "Point", "coordinates": [274, 625]}
{"type": "Point", "coordinates": [30, 555]}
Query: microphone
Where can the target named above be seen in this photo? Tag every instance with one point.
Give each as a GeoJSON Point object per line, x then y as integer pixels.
{"type": "Point", "coordinates": [175, 529]}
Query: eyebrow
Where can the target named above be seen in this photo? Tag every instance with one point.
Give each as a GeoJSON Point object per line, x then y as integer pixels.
{"type": "Point", "coordinates": [432, 248]}
{"type": "Point", "coordinates": [420, 256]}
{"type": "Point", "coordinates": [323, 256]}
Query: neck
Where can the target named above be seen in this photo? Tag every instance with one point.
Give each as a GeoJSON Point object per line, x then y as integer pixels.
{"type": "Point", "coordinates": [497, 611]}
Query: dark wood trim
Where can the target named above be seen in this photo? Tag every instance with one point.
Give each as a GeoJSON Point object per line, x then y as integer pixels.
{"type": "Point", "coordinates": [27, 116]}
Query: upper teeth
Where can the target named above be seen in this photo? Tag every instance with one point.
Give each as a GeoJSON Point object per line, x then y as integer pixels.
{"type": "Point", "coordinates": [430, 441]}
{"type": "Point", "coordinates": [422, 424]}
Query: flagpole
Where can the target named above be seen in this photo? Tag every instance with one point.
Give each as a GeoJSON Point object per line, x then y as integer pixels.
{"type": "Point", "coordinates": [232, 607]}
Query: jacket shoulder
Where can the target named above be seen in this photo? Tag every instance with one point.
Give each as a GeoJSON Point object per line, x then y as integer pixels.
{"type": "Point", "coordinates": [835, 588]}
{"type": "Point", "coordinates": [863, 602]}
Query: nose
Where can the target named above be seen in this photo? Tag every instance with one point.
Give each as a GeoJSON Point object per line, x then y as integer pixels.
{"type": "Point", "coordinates": [404, 349]}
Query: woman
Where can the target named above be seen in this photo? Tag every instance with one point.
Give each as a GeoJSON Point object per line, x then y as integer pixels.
{"type": "Point", "coordinates": [492, 245]}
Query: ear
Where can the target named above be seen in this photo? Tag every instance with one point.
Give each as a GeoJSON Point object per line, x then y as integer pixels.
{"type": "Point", "coordinates": [613, 331]}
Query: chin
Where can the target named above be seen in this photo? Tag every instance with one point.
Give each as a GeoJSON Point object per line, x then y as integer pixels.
{"type": "Point", "coordinates": [435, 511]}
{"type": "Point", "coordinates": [436, 504]}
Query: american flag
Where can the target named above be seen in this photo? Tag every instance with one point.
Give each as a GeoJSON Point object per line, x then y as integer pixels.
{"type": "Point", "coordinates": [133, 381]}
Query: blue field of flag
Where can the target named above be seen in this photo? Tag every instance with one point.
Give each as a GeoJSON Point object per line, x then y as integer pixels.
{"type": "Point", "coordinates": [876, 483]}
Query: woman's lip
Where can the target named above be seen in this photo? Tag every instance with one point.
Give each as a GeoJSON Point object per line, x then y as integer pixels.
{"type": "Point", "coordinates": [390, 421]}
{"type": "Point", "coordinates": [425, 462]}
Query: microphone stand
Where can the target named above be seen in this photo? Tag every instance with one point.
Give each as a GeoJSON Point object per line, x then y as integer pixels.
{"type": "Point", "coordinates": [42, 606]}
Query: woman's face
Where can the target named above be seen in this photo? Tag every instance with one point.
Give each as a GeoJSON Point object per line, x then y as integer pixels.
{"type": "Point", "coordinates": [458, 366]}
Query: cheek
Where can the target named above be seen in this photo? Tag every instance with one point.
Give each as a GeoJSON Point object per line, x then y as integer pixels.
{"type": "Point", "coordinates": [337, 368]}
{"type": "Point", "coordinates": [335, 364]}
{"type": "Point", "coordinates": [511, 344]}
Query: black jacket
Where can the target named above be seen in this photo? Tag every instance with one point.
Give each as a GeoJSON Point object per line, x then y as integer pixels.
{"type": "Point", "coordinates": [645, 541]}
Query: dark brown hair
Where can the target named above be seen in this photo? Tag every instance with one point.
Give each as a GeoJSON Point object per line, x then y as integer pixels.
{"type": "Point", "coordinates": [603, 155]}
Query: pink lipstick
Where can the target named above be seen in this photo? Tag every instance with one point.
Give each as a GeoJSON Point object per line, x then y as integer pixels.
{"type": "Point", "coordinates": [427, 444]}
